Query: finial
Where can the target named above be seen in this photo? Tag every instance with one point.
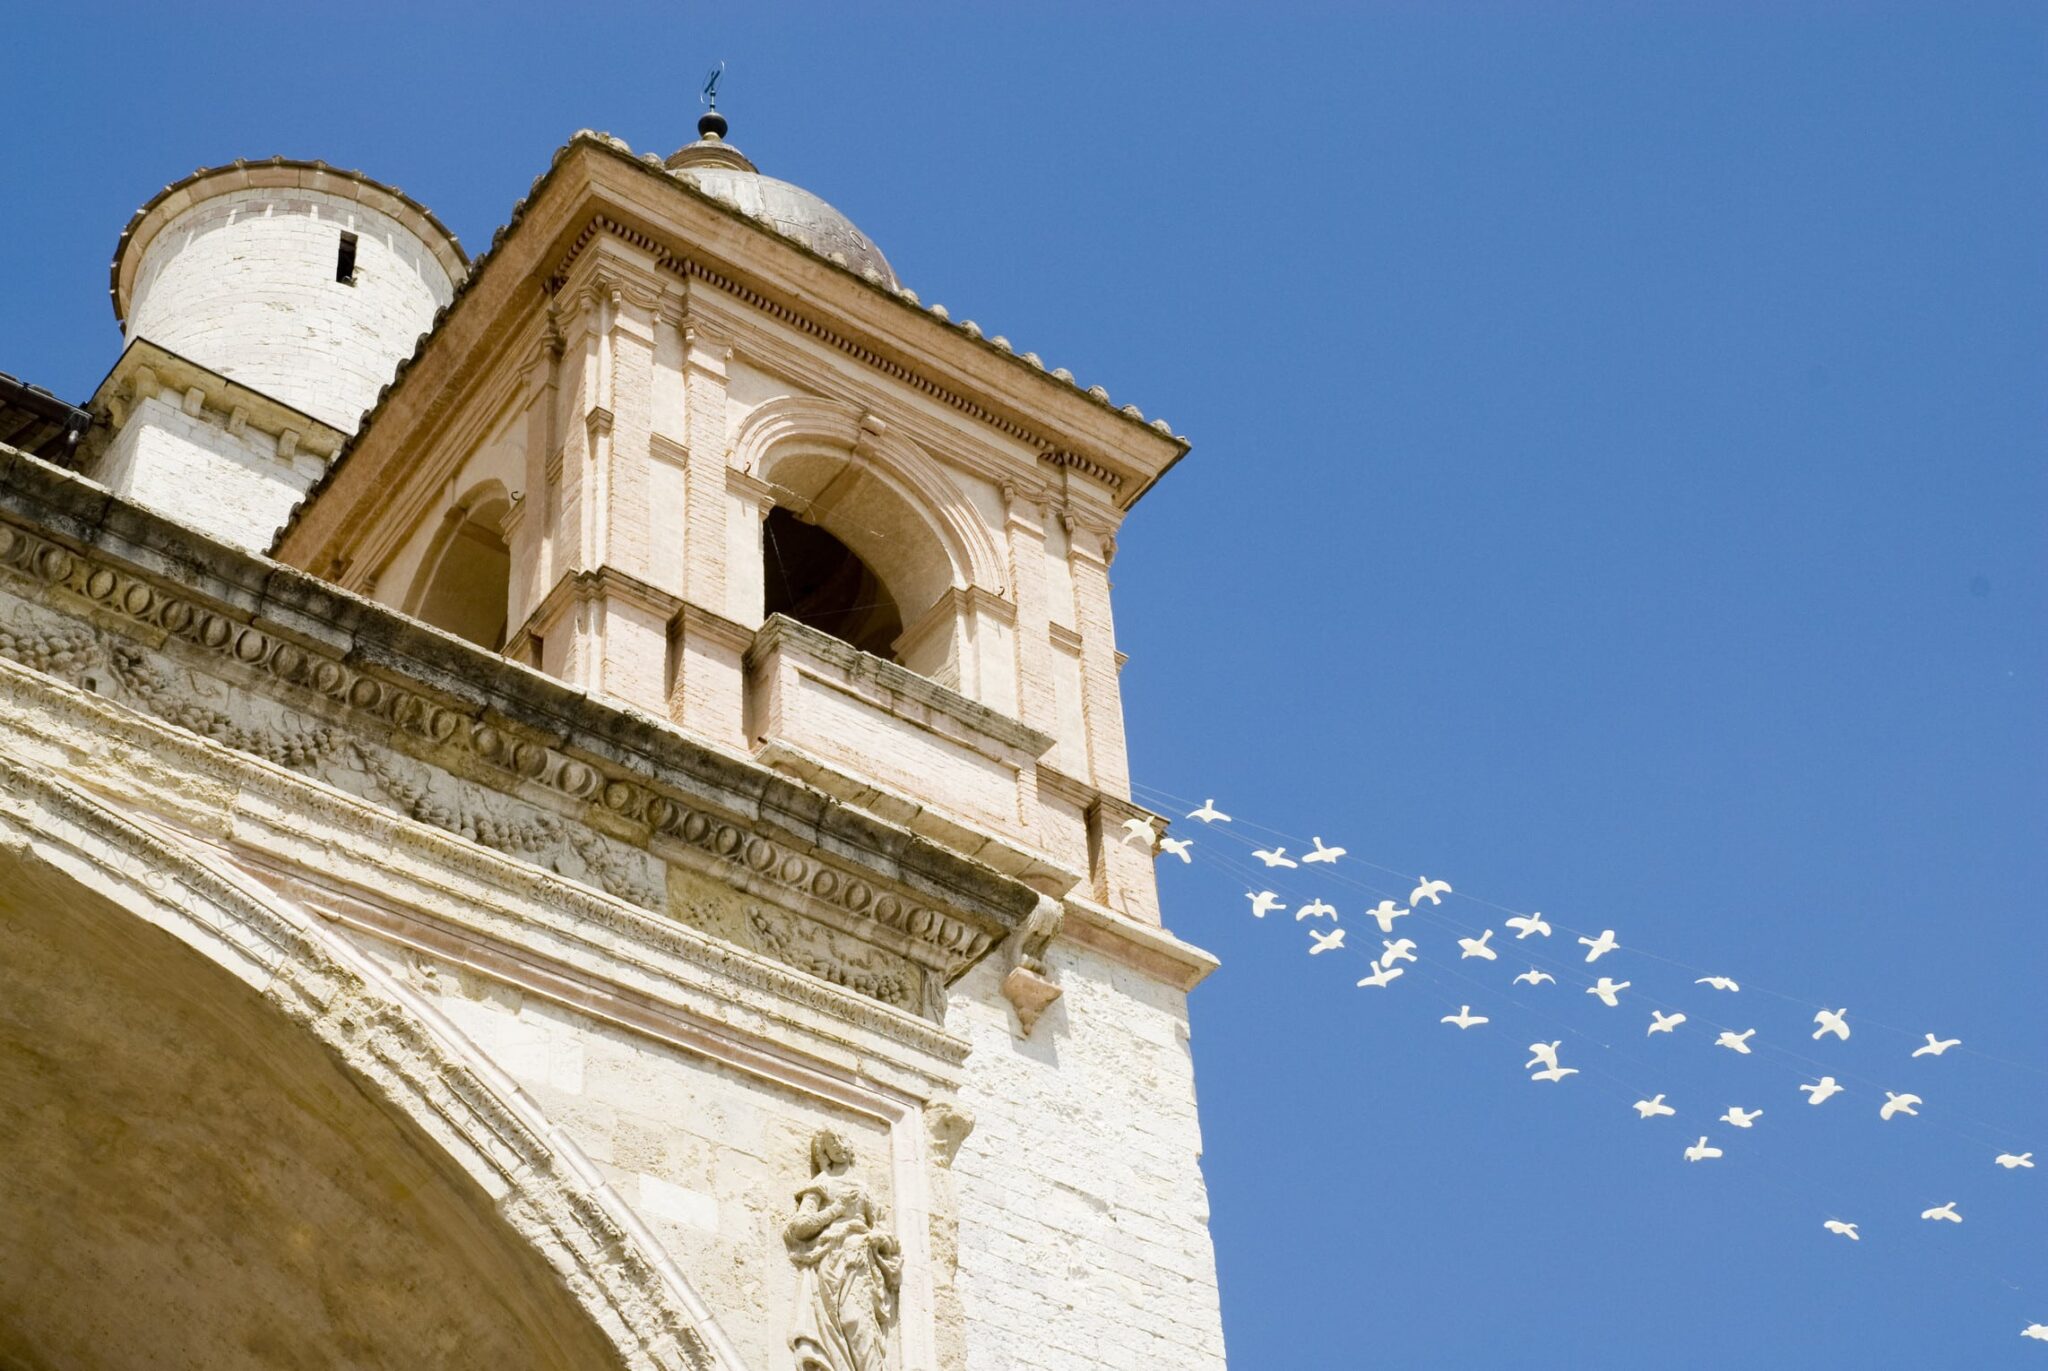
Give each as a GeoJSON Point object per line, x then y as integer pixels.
{"type": "Point", "coordinates": [712, 125]}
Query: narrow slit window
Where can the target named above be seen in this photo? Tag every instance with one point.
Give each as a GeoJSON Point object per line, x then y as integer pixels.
{"type": "Point", "coordinates": [345, 260]}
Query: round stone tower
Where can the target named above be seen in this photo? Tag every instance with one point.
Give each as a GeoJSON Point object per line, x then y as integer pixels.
{"type": "Point", "coordinates": [296, 279]}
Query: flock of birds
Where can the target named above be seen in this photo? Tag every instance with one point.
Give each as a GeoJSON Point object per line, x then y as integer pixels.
{"type": "Point", "coordinates": [1396, 954]}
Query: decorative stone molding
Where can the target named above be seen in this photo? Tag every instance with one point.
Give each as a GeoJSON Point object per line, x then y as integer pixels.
{"type": "Point", "coordinates": [146, 370]}
{"type": "Point", "coordinates": [941, 928]}
{"type": "Point", "coordinates": [917, 479]}
{"type": "Point", "coordinates": [1027, 986]}
{"type": "Point", "coordinates": [547, 1191]}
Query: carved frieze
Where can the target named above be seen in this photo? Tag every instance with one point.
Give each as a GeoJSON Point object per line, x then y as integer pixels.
{"type": "Point", "coordinates": [207, 670]}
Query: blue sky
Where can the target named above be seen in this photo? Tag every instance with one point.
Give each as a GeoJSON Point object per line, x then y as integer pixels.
{"type": "Point", "coordinates": [1617, 488]}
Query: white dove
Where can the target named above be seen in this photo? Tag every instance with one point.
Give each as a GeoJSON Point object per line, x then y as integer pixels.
{"type": "Point", "coordinates": [1210, 814]}
{"type": "Point", "coordinates": [1936, 1046]}
{"type": "Point", "coordinates": [2038, 1331]}
{"type": "Point", "coordinates": [1596, 948]}
{"type": "Point", "coordinates": [1546, 1053]}
{"type": "Point", "coordinates": [1178, 847]}
{"type": "Point", "coordinates": [1663, 1023]}
{"type": "Point", "coordinates": [1717, 983]}
{"type": "Point", "coordinates": [1141, 831]}
{"type": "Point", "coordinates": [1382, 975]}
{"type": "Point", "coordinates": [1832, 1021]}
{"type": "Point", "coordinates": [1898, 1104]}
{"type": "Point", "coordinates": [1386, 911]}
{"type": "Point", "coordinates": [1828, 1088]}
{"type": "Point", "coordinates": [1398, 950]}
{"type": "Point", "coordinates": [1700, 1152]}
{"type": "Point", "coordinates": [1274, 856]}
{"type": "Point", "coordinates": [1315, 909]}
{"type": "Point", "coordinates": [1464, 1018]}
{"type": "Point", "coordinates": [1653, 1107]}
{"type": "Point", "coordinates": [1847, 1230]}
{"type": "Point", "coordinates": [1740, 1117]}
{"type": "Point", "coordinates": [1322, 853]}
{"type": "Point", "coordinates": [1476, 947]}
{"type": "Point", "coordinates": [1264, 903]}
{"type": "Point", "coordinates": [1735, 1042]}
{"type": "Point", "coordinates": [1534, 977]}
{"type": "Point", "coordinates": [1325, 941]}
{"type": "Point", "coordinates": [1527, 924]}
{"type": "Point", "coordinates": [1606, 988]}
{"type": "Point", "coordinates": [1555, 1073]}
{"type": "Point", "coordinates": [1433, 891]}
{"type": "Point", "coordinates": [1946, 1212]}
{"type": "Point", "coordinates": [2012, 1162]}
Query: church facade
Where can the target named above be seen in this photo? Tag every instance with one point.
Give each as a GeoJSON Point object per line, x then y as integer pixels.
{"type": "Point", "coordinates": [570, 808]}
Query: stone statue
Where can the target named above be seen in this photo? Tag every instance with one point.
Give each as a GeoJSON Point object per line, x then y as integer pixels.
{"type": "Point", "coordinates": [848, 1267]}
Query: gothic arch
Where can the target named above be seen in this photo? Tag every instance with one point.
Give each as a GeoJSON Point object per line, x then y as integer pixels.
{"type": "Point", "coordinates": [518, 1239]}
{"type": "Point", "coordinates": [802, 445]}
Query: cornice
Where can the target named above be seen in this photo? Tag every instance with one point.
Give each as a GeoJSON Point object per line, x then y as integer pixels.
{"type": "Point", "coordinates": [493, 721]}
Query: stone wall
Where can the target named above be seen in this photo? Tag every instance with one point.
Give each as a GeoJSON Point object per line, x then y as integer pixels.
{"type": "Point", "coordinates": [1084, 1220]}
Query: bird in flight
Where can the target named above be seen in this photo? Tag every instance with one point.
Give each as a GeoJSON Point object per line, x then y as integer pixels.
{"type": "Point", "coordinates": [1832, 1021]}
{"type": "Point", "coordinates": [1325, 941]}
{"type": "Point", "coordinates": [1178, 847]}
{"type": "Point", "coordinates": [1398, 950]}
{"type": "Point", "coordinates": [1534, 977]}
{"type": "Point", "coordinates": [1828, 1088]}
{"type": "Point", "coordinates": [1433, 891]}
{"type": "Point", "coordinates": [1322, 853]}
{"type": "Point", "coordinates": [1382, 976]}
{"type": "Point", "coordinates": [1527, 924]}
{"type": "Point", "coordinates": [1210, 814]}
{"type": "Point", "coordinates": [1546, 1053]}
{"type": "Point", "coordinates": [1945, 1212]}
{"type": "Point", "coordinates": [1555, 1073]}
{"type": "Point", "coordinates": [1606, 988]}
{"type": "Point", "coordinates": [1936, 1046]}
{"type": "Point", "coordinates": [1663, 1023]}
{"type": "Point", "coordinates": [1274, 856]}
{"type": "Point", "coordinates": [1464, 1018]}
{"type": "Point", "coordinates": [1653, 1107]}
{"type": "Point", "coordinates": [1386, 911]}
{"type": "Point", "coordinates": [1847, 1230]}
{"type": "Point", "coordinates": [1264, 903]}
{"type": "Point", "coordinates": [1717, 983]}
{"type": "Point", "coordinates": [1476, 947]}
{"type": "Point", "coordinates": [2012, 1162]}
{"type": "Point", "coordinates": [1700, 1152]}
{"type": "Point", "coordinates": [1740, 1117]}
{"type": "Point", "coordinates": [1141, 831]}
{"type": "Point", "coordinates": [2035, 1330]}
{"type": "Point", "coordinates": [1898, 1104]}
{"type": "Point", "coordinates": [1735, 1042]}
{"type": "Point", "coordinates": [1315, 909]}
{"type": "Point", "coordinates": [1596, 948]}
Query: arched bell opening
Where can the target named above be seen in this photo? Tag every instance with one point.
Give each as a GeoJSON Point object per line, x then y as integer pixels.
{"type": "Point", "coordinates": [817, 580]}
{"type": "Point", "coordinates": [465, 585]}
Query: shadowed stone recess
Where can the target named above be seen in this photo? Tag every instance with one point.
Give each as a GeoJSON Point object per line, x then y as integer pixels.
{"type": "Point", "coordinates": [191, 1181]}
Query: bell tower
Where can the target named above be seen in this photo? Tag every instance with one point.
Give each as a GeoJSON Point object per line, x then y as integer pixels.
{"type": "Point", "coordinates": [684, 442]}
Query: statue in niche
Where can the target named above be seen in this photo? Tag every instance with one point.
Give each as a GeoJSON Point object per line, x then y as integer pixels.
{"type": "Point", "coordinates": [848, 1267]}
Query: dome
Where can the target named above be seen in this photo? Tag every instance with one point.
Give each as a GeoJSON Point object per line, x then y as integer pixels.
{"type": "Point", "coordinates": [718, 169]}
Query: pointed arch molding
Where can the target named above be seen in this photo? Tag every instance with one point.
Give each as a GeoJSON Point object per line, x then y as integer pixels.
{"type": "Point", "coordinates": [398, 1049]}
{"type": "Point", "coordinates": [792, 422]}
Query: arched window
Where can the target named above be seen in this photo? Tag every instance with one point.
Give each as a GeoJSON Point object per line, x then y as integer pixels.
{"type": "Point", "coordinates": [817, 580]}
{"type": "Point", "coordinates": [468, 581]}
